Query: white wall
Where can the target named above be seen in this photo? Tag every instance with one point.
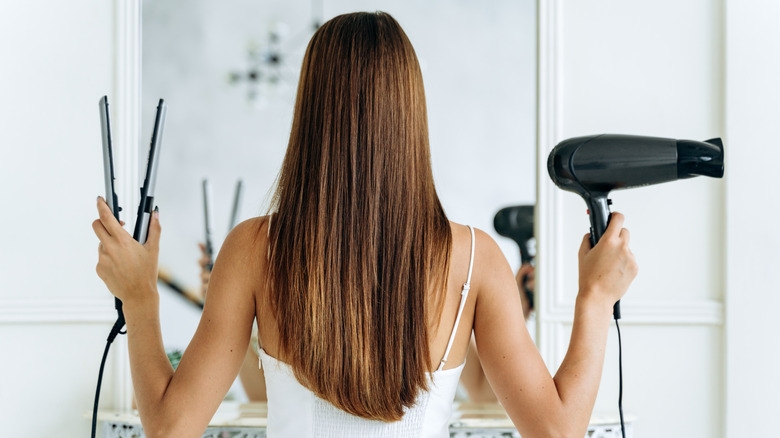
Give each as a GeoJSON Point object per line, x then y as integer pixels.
{"type": "Point", "coordinates": [648, 68]}
{"type": "Point", "coordinates": [753, 208]}
{"type": "Point", "coordinates": [55, 313]}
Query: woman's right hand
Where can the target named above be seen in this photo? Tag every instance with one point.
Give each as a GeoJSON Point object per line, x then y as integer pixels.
{"type": "Point", "coordinates": [607, 269]}
{"type": "Point", "coordinates": [128, 268]}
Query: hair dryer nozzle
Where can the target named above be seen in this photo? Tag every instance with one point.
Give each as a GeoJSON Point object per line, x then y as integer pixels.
{"type": "Point", "coordinates": [700, 158]}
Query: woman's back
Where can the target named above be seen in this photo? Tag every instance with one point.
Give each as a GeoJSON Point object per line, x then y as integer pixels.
{"type": "Point", "coordinates": [294, 410]}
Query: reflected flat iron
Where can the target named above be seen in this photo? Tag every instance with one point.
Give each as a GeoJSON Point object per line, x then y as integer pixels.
{"type": "Point", "coordinates": [208, 218]}
{"type": "Point", "coordinates": [207, 221]}
{"type": "Point", "coordinates": [236, 204]}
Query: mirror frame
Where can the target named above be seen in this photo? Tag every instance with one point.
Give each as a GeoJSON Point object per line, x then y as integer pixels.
{"type": "Point", "coordinates": [126, 127]}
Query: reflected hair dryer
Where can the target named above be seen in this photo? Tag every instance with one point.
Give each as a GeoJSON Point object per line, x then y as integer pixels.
{"type": "Point", "coordinates": [517, 223]}
{"type": "Point", "coordinates": [595, 165]}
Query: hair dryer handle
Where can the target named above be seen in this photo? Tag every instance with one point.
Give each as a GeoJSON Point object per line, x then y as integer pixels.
{"type": "Point", "coordinates": [598, 211]}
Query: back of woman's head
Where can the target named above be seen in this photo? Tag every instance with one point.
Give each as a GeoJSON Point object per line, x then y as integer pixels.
{"type": "Point", "coordinates": [359, 251]}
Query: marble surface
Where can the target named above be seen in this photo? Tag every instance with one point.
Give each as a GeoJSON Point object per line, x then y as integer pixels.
{"type": "Point", "coordinates": [249, 420]}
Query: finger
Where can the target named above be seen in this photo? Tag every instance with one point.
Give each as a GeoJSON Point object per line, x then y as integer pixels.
{"type": "Point", "coordinates": [625, 235]}
{"type": "Point", "coordinates": [525, 268]}
{"type": "Point", "coordinates": [153, 238]}
{"type": "Point", "coordinates": [585, 246]}
{"type": "Point", "coordinates": [616, 221]}
{"type": "Point", "coordinates": [100, 230]}
{"type": "Point", "coordinates": [202, 248]}
{"type": "Point", "coordinates": [107, 218]}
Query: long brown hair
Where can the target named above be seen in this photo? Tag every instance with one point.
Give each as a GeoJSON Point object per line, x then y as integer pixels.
{"type": "Point", "coordinates": [360, 238]}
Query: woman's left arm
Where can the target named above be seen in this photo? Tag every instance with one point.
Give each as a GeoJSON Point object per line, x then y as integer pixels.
{"type": "Point", "coordinates": [182, 403]}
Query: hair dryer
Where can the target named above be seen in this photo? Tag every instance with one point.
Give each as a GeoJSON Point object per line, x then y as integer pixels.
{"type": "Point", "coordinates": [593, 166]}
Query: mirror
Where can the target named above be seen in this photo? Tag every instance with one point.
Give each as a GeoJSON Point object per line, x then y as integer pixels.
{"type": "Point", "coordinates": [228, 71]}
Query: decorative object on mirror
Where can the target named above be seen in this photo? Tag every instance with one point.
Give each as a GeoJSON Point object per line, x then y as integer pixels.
{"type": "Point", "coordinates": [144, 215]}
{"type": "Point", "coordinates": [267, 71]}
{"type": "Point", "coordinates": [593, 166]}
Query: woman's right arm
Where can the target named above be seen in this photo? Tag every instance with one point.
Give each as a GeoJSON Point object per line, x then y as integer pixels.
{"type": "Point", "coordinates": [180, 403]}
{"type": "Point", "coordinates": [537, 403]}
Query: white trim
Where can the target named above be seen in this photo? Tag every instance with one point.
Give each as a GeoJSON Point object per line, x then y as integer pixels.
{"type": "Point", "coordinates": [34, 311]}
{"type": "Point", "coordinates": [704, 312]}
{"type": "Point", "coordinates": [127, 125]}
{"type": "Point", "coordinates": [548, 204]}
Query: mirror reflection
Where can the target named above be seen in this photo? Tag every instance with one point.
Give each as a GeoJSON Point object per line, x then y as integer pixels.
{"type": "Point", "coordinates": [229, 71]}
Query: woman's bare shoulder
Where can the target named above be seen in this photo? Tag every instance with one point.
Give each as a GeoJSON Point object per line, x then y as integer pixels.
{"type": "Point", "coordinates": [250, 228]}
{"type": "Point", "coordinates": [485, 247]}
{"type": "Point", "coordinates": [491, 269]}
{"type": "Point", "coordinates": [247, 240]}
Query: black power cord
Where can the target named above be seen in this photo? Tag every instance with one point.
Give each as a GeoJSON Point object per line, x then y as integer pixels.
{"type": "Point", "coordinates": [115, 330]}
{"type": "Point", "coordinates": [620, 372]}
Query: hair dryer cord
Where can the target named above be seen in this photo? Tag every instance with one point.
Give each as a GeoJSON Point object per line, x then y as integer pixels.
{"type": "Point", "coordinates": [620, 372]}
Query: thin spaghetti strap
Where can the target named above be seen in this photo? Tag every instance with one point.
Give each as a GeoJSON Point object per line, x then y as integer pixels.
{"type": "Point", "coordinates": [471, 262]}
{"type": "Point", "coordinates": [463, 295]}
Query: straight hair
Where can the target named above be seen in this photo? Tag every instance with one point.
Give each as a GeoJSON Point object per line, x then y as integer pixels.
{"type": "Point", "coordinates": [360, 245]}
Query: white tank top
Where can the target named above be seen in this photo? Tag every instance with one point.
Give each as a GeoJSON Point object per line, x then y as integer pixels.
{"type": "Point", "coordinates": [295, 411]}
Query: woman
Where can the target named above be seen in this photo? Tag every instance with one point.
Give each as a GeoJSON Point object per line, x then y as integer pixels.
{"type": "Point", "coordinates": [365, 294]}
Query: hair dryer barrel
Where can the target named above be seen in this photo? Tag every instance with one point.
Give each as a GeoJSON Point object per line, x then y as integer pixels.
{"type": "Point", "coordinates": [602, 163]}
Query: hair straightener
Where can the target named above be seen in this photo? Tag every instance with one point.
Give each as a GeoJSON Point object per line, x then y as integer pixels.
{"type": "Point", "coordinates": [143, 216]}
{"type": "Point", "coordinates": [595, 165]}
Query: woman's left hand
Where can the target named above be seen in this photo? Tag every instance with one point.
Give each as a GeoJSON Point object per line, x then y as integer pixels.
{"type": "Point", "coordinates": [128, 268]}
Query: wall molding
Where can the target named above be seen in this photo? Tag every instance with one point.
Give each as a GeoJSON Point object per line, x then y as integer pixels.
{"type": "Point", "coordinates": [42, 311]}
{"type": "Point", "coordinates": [693, 312]}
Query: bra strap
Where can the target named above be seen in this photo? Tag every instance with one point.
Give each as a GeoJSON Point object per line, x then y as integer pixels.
{"type": "Point", "coordinates": [463, 295]}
